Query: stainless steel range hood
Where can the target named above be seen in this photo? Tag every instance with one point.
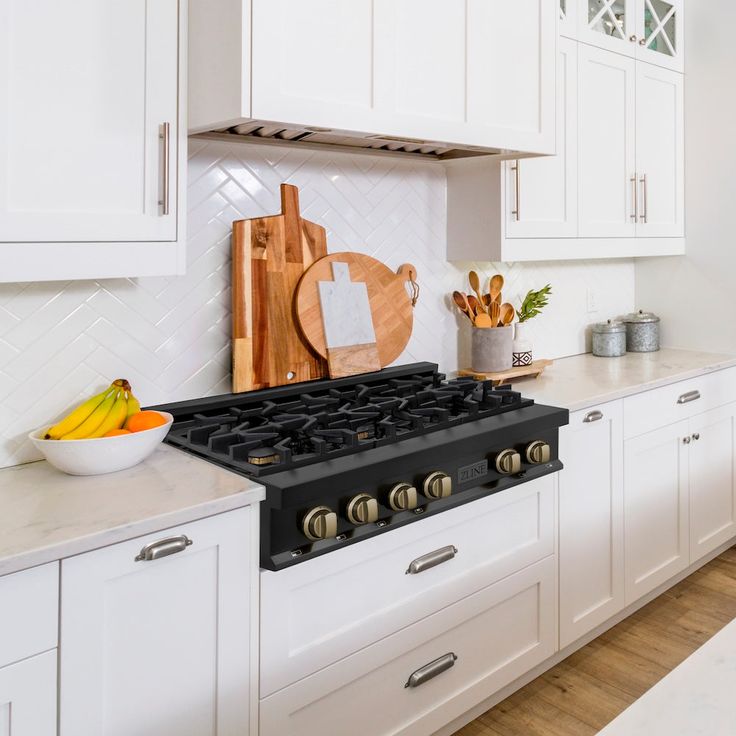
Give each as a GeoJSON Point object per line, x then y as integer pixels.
{"type": "Point", "coordinates": [265, 132]}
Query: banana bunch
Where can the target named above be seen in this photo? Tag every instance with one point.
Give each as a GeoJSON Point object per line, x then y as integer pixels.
{"type": "Point", "coordinates": [106, 412]}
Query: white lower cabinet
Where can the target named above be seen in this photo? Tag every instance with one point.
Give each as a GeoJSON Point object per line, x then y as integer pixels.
{"type": "Point", "coordinates": [591, 520]}
{"type": "Point", "coordinates": [422, 677]}
{"type": "Point", "coordinates": [162, 645]}
{"type": "Point", "coordinates": [656, 508]}
{"type": "Point", "coordinates": [321, 611]}
{"type": "Point", "coordinates": [28, 697]}
{"type": "Point", "coordinates": [712, 450]}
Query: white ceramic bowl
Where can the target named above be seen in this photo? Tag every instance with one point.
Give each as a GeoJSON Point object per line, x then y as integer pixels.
{"type": "Point", "coordinates": [103, 454]}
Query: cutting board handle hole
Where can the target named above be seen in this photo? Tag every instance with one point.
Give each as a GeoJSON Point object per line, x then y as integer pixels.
{"type": "Point", "coordinates": [290, 376]}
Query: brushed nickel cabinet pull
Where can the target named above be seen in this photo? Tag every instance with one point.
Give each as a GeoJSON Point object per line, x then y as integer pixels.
{"type": "Point", "coordinates": [431, 670]}
{"type": "Point", "coordinates": [688, 397]}
{"type": "Point", "coordinates": [635, 197]}
{"type": "Point", "coordinates": [516, 168]}
{"type": "Point", "coordinates": [165, 136]}
{"type": "Point", "coordinates": [163, 548]}
{"type": "Point", "coordinates": [645, 215]}
{"type": "Point", "coordinates": [593, 416]}
{"type": "Point", "coordinates": [431, 559]}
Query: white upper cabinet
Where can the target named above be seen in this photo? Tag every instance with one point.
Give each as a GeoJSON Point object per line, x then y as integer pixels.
{"type": "Point", "coordinates": [660, 142]}
{"type": "Point", "coordinates": [89, 139]}
{"type": "Point", "coordinates": [648, 30]}
{"type": "Point", "coordinates": [607, 151]}
{"type": "Point", "coordinates": [476, 73]}
{"type": "Point", "coordinates": [541, 193]}
{"type": "Point", "coordinates": [569, 18]}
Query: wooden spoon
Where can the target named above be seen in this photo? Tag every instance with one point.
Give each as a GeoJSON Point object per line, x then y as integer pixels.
{"type": "Point", "coordinates": [475, 286]}
{"type": "Point", "coordinates": [474, 304]}
{"type": "Point", "coordinates": [483, 320]}
{"type": "Point", "coordinates": [487, 302]}
{"type": "Point", "coordinates": [507, 314]}
{"type": "Point", "coordinates": [495, 313]}
{"type": "Point", "coordinates": [462, 304]}
{"type": "Point", "coordinates": [495, 287]}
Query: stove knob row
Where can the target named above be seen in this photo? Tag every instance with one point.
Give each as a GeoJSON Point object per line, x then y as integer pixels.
{"type": "Point", "coordinates": [320, 523]}
{"type": "Point", "coordinates": [362, 509]}
{"type": "Point", "coordinates": [437, 485]}
{"type": "Point", "coordinates": [508, 462]}
{"type": "Point", "coordinates": [403, 497]}
{"type": "Point", "coordinates": [538, 452]}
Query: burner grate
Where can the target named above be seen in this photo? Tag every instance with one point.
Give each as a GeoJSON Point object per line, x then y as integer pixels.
{"type": "Point", "coordinates": [257, 436]}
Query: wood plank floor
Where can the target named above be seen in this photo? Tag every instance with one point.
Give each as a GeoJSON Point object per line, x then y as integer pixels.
{"type": "Point", "coordinates": [583, 693]}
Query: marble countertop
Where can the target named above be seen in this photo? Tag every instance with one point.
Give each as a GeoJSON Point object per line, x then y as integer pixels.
{"type": "Point", "coordinates": [696, 698]}
{"type": "Point", "coordinates": [46, 515]}
{"type": "Point", "coordinates": [584, 380]}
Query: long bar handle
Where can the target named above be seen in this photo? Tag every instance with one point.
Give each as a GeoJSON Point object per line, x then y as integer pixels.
{"type": "Point", "coordinates": [593, 416]}
{"type": "Point", "coordinates": [635, 197]}
{"type": "Point", "coordinates": [645, 199]}
{"type": "Point", "coordinates": [431, 670]}
{"type": "Point", "coordinates": [165, 136]}
{"type": "Point", "coordinates": [163, 548]}
{"type": "Point", "coordinates": [516, 168]}
{"type": "Point", "coordinates": [688, 397]}
{"type": "Point", "coordinates": [431, 559]}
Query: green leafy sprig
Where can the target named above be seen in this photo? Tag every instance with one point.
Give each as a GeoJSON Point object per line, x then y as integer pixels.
{"type": "Point", "coordinates": [533, 304]}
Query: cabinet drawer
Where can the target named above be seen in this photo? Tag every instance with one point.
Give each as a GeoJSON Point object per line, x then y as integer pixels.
{"type": "Point", "coordinates": [682, 400]}
{"type": "Point", "coordinates": [29, 612]}
{"type": "Point", "coordinates": [28, 697]}
{"type": "Point", "coordinates": [320, 611]}
{"type": "Point", "coordinates": [488, 639]}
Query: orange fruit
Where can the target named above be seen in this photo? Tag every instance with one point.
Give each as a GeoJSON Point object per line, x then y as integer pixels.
{"type": "Point", "coordinates": [116, 432]}
{"type": "Point", "coordinates": [144, 420]}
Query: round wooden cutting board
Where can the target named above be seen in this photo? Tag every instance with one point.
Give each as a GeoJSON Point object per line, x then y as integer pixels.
{"type": "Point", "coordinates": [391, 305]}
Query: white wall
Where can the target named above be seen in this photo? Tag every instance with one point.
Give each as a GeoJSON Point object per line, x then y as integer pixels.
{"type": "Point", "coordinates": [170, 336]}
{"type": "Point", "coordinates": [696, 294]}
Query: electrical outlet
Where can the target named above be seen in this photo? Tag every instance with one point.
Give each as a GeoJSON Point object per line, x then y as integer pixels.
{"type": "Point", "coordinates": [592, 300]}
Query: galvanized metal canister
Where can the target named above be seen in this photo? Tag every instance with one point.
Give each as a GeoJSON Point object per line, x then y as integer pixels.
{"type": "Point", "coordinates": [642, 332]}
{"type": "Point", "coordinates": [609, 339]}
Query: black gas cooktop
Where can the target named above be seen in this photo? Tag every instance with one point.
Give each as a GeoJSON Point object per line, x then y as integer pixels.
{"type": "Point", "coordinates": [347, 459]}
{"type": "Point", "coordinates": [266, 432]}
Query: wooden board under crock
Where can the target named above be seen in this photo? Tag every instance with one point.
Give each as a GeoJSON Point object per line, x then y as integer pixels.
{"type": "Point", "coordinates": [270, 255]}
{"type": "Point", "coordinates": [391, 307]}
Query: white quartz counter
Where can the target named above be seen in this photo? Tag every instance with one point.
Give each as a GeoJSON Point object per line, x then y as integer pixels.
{"type": "Point", "coordinates": [696, 698]}
{"type": "Point", "coordinates": [46, 515]}
{"type": "Point", "coordinates": [584, 380]}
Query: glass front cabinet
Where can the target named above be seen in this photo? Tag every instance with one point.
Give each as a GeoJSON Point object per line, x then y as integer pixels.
{"type": "Point", "coordinates": [648, 30]}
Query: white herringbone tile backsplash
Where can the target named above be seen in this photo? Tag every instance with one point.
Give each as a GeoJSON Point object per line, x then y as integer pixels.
{"type": "Point", "coordinates": [170, 336]}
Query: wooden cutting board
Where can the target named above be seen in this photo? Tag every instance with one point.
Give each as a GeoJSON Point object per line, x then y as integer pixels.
{"type": "Point", "coordinates": [391, 308]}
{"type": "Point", "coordinates": [270, 255]}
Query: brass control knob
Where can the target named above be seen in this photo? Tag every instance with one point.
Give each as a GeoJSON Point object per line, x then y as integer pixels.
{"type": "Point", "coordinates": [362, 509]}
{"type": "Point", "coordinates": [508, 462]}
{"type": "Point", "coordinates": [320, 523]}
{"type": "Point", "coordinates": [538, 452]}
{"type": "Point", "coordinates": [437, 485]}
{"type": "Point", "coordinates": [403, 497]}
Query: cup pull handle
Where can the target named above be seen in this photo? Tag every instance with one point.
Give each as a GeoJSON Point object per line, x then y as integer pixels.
{"type": "Point", "coordinates": [163, 548]}
{"type": "Point", "coordinates": [431, 559]}
{"type": "Point", "coordinates": [593, 416]}
{"type": "Point", "coordinates": [688, 397]}
{"type": "Point", "coordinates": [431, 670]}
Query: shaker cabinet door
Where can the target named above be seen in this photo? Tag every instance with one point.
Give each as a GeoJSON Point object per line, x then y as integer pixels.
{"type": "Point", "coordinates": [712, 480]}
{"type": "Point", "coordinates": [86, 88]}
{"type": "Point", "coordinates": [656, 514]}
{"type": "Point", "coordinates": [607, 125]}
{"type": "Point", "coordinates": [660, 151]}
{"type": "Point", "coordinates": [28, 697]}
{"type": "Point", "coordinates": [159, 646]}
{"type": "Point", "coordinates": [541, 193]}
{"type": "Point", "coordinates": [591, 520]}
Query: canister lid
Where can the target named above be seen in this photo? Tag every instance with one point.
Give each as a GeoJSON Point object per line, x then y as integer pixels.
{"type": "Point", "coordinates": [609, 327]}
{"type": "Point", "coordinates": [641, 317]}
